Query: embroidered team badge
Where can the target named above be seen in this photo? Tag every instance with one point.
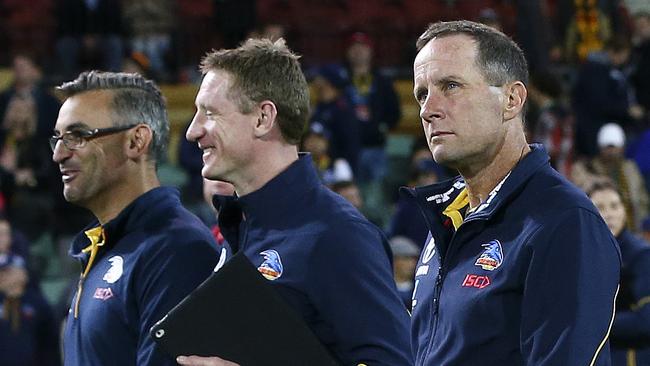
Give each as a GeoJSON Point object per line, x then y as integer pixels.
{"type": "Point", "coordinates": [492, 256]}
{"type": "Point", "coordinates": [115, 272]}
{"type": "Point", "coordinates": [271, 268]}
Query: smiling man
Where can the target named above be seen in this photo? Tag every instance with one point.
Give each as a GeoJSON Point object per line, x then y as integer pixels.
{"type": "Point", "coordinates": [323, 257]}
{"type": "Point", "coordinates": [145, 252]}
{"type": "Point", "coordinates": [519, 268]}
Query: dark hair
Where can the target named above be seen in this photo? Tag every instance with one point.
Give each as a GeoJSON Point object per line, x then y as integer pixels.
{"type": "Point", "coordinates": [135, 100]}
{"type": "Point", "coordinates": [266, 70]}
{"type": "Point", "coordinates": [499, 57]}
{"type": "Point", "coordinates": [601, 184]}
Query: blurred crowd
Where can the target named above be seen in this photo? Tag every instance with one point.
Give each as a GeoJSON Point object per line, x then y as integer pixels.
{"type": "Point", "coordinates": [588, 104]}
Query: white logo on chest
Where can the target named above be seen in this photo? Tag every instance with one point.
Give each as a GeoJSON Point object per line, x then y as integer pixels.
{"type": "Point", "coordinates": [115, 272]}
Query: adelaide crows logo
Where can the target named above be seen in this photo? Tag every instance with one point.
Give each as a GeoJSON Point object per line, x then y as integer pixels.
{"type": "Point", "coordinates": [492, 256]}
{"type": "Point", "coordinates": [271, 268]}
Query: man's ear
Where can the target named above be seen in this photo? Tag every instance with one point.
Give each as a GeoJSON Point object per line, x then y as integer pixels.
{"type": "Point", "coordinates": [266, 118]}
{"type": "Point", "coordinates": [516, 94]}
{"type": "Point", "coordinates": [138, 140]}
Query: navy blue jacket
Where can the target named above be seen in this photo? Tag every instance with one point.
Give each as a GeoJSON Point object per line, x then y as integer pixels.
{"type": "Point", "coordinates": [528, 278]}
{"type": "Point", "coordinates": [631, 329]}
{"type": "Point", "coordinates": [156, 252]}
{"type": "Point", "coordinates": [327, 261]}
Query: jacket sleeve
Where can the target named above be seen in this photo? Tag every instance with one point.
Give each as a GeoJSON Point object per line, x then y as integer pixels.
{"type": "Point", "coordinates": [569, 291]}
{"type": "Point", "coordinates": [353, 289]}
{"type": "Point", "coordinates": [170, 271]}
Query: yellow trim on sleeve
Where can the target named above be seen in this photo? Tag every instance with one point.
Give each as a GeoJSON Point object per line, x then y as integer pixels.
{"type": "Point", "coordinates": [453, 210]}
{"type": "Point", "coordinates": [611, 321]}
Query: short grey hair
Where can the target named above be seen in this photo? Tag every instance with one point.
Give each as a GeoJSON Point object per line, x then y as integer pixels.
{"type": "Point", "coordinates": [135, 100]}
{"type": "Point", "coordinates": [499, 57]}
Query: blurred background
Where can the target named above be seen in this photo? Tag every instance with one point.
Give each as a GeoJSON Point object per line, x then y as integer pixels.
{"type": "Point", "coordinates": [589, 96]}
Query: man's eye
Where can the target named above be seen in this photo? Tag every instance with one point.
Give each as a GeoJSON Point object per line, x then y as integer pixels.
{"type": "Point", "coordinates": [421, 96]}
{"type": "Point", "coordinates": [451, 85]}
{"type": "Point", "coordinates": [72, 134]}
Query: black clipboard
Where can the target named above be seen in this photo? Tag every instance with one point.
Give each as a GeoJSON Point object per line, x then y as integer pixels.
{"type": "Point", "coordinates": [237, 315]}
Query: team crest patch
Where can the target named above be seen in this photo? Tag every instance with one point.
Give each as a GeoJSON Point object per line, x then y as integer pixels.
{"type": "Point", "coordinates": [103, 293]}
{"type": "Point", "coordinates": [492, 256]}
{"type": "Point", "coordinates": [271, 268]}
{"type": "Point", "coordinates": [115, 272]}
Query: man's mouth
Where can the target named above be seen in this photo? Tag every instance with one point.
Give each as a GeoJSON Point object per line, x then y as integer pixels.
{"type": "Point", "coordinates": [67, 175]}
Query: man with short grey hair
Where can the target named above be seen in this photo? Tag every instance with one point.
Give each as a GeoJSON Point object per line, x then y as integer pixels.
{"type": "Point", "coordinates": [144, 252]}
{"type": "Point", "coordinates": [519, 267]}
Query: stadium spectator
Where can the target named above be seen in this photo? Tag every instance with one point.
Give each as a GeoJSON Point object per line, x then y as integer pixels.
{"type": "Point", "coordinates": [316, 142]}
{"type": "Point", "coordinates": [89, 36]}
{"type": "Point", "coordinates": [641, 60]}
{"type": "Point", "coordinates": [630, 335]}
{"type": "Point", "coordinates": [406, 220]}
{"type": "Point", "coordinates": [150, 24]}
{"type": "Point", "coordinates": [375, 103]}
{"type": "Point", "coordinates": [612, 163]}
{"type": "Point", "coordinates": [27, 115]}
{"type": "Point", "coordinates": [603, 93]}
{"type": "Point", "coordinates": [349, 190]}
{"type": "Point", "coordinates": [552, 124]}
{"type": "Point", "coordinates": [405, 258]}
{"type": "Point", "coordinates": [333, 112]}
{"type": "Point", "coordinates": [28, 332]}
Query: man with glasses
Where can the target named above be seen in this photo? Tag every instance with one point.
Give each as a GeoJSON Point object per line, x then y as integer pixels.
{"type": "Point", "coordinates": [144, 252]}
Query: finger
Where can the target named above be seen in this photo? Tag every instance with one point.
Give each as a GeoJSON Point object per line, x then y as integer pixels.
{"type": "Point", "coordinates": [203, 361]}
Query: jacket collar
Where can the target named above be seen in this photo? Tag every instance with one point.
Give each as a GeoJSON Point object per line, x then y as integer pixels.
{"type": "Point", "coordinates": [131, 217]}
{"type": "Point", "coordinates": [441, 194]}
{"type": "Point", "coordinates": [279, 195]}
{"type": "Point", "coordinates": [267, 205]}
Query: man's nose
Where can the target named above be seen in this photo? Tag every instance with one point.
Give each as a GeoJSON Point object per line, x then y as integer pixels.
{"type": "Point", "coordinates": [193, 131]}
{"type": "Point", "coordinates": [431, 109]}
{"type": "Point", "coordinates": [60, 152]}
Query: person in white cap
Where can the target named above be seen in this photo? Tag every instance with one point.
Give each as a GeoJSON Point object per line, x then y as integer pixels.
{"type": "Point", "coordinates": [624, 173]}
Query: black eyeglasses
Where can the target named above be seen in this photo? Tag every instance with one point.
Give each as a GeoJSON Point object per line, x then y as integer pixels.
{"type": "Point", "coordinates": [76, 139]}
